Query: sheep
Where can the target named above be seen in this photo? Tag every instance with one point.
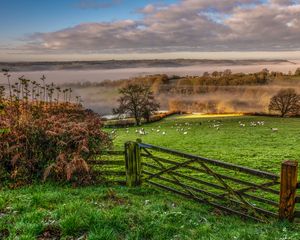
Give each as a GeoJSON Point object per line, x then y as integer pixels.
{"type": "Point", "coordinates": [142, 131]}
{"type": "Point", "coordinates": [274, 129]}
{"type": "Point", "coordinates": [185, 133]}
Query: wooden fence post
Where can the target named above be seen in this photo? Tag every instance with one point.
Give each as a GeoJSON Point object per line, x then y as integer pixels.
{"type": "Point", "coordinates": [288, 187]}
{"type": "Point", "coordinates": [133, 164]}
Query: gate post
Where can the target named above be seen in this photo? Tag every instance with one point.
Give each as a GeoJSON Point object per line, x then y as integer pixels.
{"type": "Point", "coordinates": [133, 164]}
{"type": "Point", "coordinates": [288, 188]}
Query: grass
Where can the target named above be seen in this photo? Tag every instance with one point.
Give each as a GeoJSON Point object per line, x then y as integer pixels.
{"type": "Point", "coordinates": [99, 212]}
{"type": "Point", "coordinates": [256, 147]}
{"type": "Point", "coordinates": [121, 213]}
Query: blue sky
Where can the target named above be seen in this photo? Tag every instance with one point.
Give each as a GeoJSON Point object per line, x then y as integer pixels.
{"type": "Point", "coordinates": [101, 29]}
{"type": "Point", "coordinates": [21, 17]}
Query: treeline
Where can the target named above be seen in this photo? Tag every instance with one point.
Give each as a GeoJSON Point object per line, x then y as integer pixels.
{"type": "Point", "coordinates": [207, 83]}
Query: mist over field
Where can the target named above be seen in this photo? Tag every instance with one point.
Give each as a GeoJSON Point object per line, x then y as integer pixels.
{"type": "Point", "coordinates": [85, 81]}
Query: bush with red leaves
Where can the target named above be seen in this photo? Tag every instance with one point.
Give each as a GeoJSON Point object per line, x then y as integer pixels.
{"type": "Point", "coordinates": [41, 141]}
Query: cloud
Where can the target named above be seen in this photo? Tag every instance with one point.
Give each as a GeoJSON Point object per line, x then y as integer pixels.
{"type": "Point", "coordinates": [190, 25]}
{"type": "Point", "coordinates": [94, 4]}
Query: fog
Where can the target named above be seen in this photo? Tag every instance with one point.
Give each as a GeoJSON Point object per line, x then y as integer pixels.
{"type": "Point", "coordinates": [73, 76]}
{"type": "Point", "coordinates": [238, 99]}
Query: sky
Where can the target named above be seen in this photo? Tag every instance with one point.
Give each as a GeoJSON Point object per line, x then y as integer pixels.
{"type": "Point", "coordinates": [35, 30]}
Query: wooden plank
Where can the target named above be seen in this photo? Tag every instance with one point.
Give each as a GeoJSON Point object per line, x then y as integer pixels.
{"type": "Point", "coordinates": [188, 177]}
{"type": "Point", "coordinates": [218, 197]}
{"type": "Point", "coordinates": [288, 188]}
{"type": "Point", "coordinates": [110, 173]}
{"type": "Point", "coordinates": [111, 182]}
{"type": "Point", "coordinates": [133, 164]}
{"type": "Point", "coordinates": [196, 180]}
{"type": "Point", "coordinates": [231, 166]}
{"type": "Point", "coordinates": [171, 168]}
{"type": "Point", "coordinates": [247, 183]}
{"type": "Point", "coordinates": [260, 199]}
{"type": "Point", "coordinates": [203, 201]}
{"type": "Point", "coordinates": [110, 153]}
{"type": "Point", "coordinates": [107, 162]}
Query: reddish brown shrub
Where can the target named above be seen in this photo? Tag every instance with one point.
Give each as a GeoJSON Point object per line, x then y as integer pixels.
{"type": "Point", "coordinates": [39, 141]}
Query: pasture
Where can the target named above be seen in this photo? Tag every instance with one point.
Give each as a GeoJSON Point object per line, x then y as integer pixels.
{"type": "Point", "coordinates": [113, 212]}
{"type": "Point", "coordinates": [253, 141]}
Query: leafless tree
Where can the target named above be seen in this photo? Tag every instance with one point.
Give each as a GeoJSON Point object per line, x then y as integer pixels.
{"type": "Point", "coordinates": [286, 101]}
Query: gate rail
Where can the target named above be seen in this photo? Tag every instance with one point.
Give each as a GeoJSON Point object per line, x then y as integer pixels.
{"type": "Point", "coordinates": [248, 192]}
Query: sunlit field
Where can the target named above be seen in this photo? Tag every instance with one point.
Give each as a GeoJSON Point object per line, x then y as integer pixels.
{"type": "Point", "coordinates": [243, 140]}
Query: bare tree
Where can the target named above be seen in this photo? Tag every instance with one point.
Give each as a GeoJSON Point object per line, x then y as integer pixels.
{"type": "Point", "coordinates": [137, 101]}
{"type": "Point", "coordinates": [286, 101]}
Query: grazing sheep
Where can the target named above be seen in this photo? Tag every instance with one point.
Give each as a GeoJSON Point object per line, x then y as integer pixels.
{"type": "Point", "coordinates": [260, 123]}
{"type": "Point", "coordinates": [274, 129]}
{"type": "Point", "coordinates": [142, 131]}
{"type": "Point", "coordinates": [185, 133]}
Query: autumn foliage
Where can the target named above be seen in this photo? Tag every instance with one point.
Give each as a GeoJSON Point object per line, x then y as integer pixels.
{"type": "Point", "coordinates": [40, 141]}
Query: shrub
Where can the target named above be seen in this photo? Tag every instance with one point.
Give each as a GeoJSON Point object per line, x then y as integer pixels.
{"type": "Point", "coordinates": [42, 141]}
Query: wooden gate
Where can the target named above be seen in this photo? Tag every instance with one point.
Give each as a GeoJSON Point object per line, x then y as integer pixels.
{"type": "Point", "coordinates": [227, 187]}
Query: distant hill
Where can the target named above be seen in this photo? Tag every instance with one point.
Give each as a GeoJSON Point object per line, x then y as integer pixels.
{"type": "Point", "coordinates": [119, 64]}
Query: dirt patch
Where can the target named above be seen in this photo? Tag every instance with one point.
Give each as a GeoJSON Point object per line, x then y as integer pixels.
{"type": "Point", "coordinates": [50, 233]}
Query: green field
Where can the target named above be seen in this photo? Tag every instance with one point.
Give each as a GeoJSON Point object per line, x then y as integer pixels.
{"type": "Point", "coordinates": [252, 146]}
{"type": "Point", "coordinates": [100, 212]}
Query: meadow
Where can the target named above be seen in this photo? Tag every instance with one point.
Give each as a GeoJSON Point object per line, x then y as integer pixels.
{"type": "Point", "coordinates": [237, 139]}
{"type": "Point", "coordinates": [52, 211]}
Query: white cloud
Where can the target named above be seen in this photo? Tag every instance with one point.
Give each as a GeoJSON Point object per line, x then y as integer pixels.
{"type": "Point", "coordinates": [194, 25]}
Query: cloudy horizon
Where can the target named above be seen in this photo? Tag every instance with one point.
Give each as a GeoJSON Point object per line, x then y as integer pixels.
{"type": "Point", "coordinates": [123, 29]}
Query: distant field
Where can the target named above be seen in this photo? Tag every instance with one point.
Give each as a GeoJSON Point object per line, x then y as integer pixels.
{"type": "Point", "coordinates": [253, 146]}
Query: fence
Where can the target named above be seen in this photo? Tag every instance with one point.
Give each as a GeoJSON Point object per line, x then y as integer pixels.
{"type": "Point", "coordinates": [235, 189]}
{"type": "Point", "coordinates": [108, 167]}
